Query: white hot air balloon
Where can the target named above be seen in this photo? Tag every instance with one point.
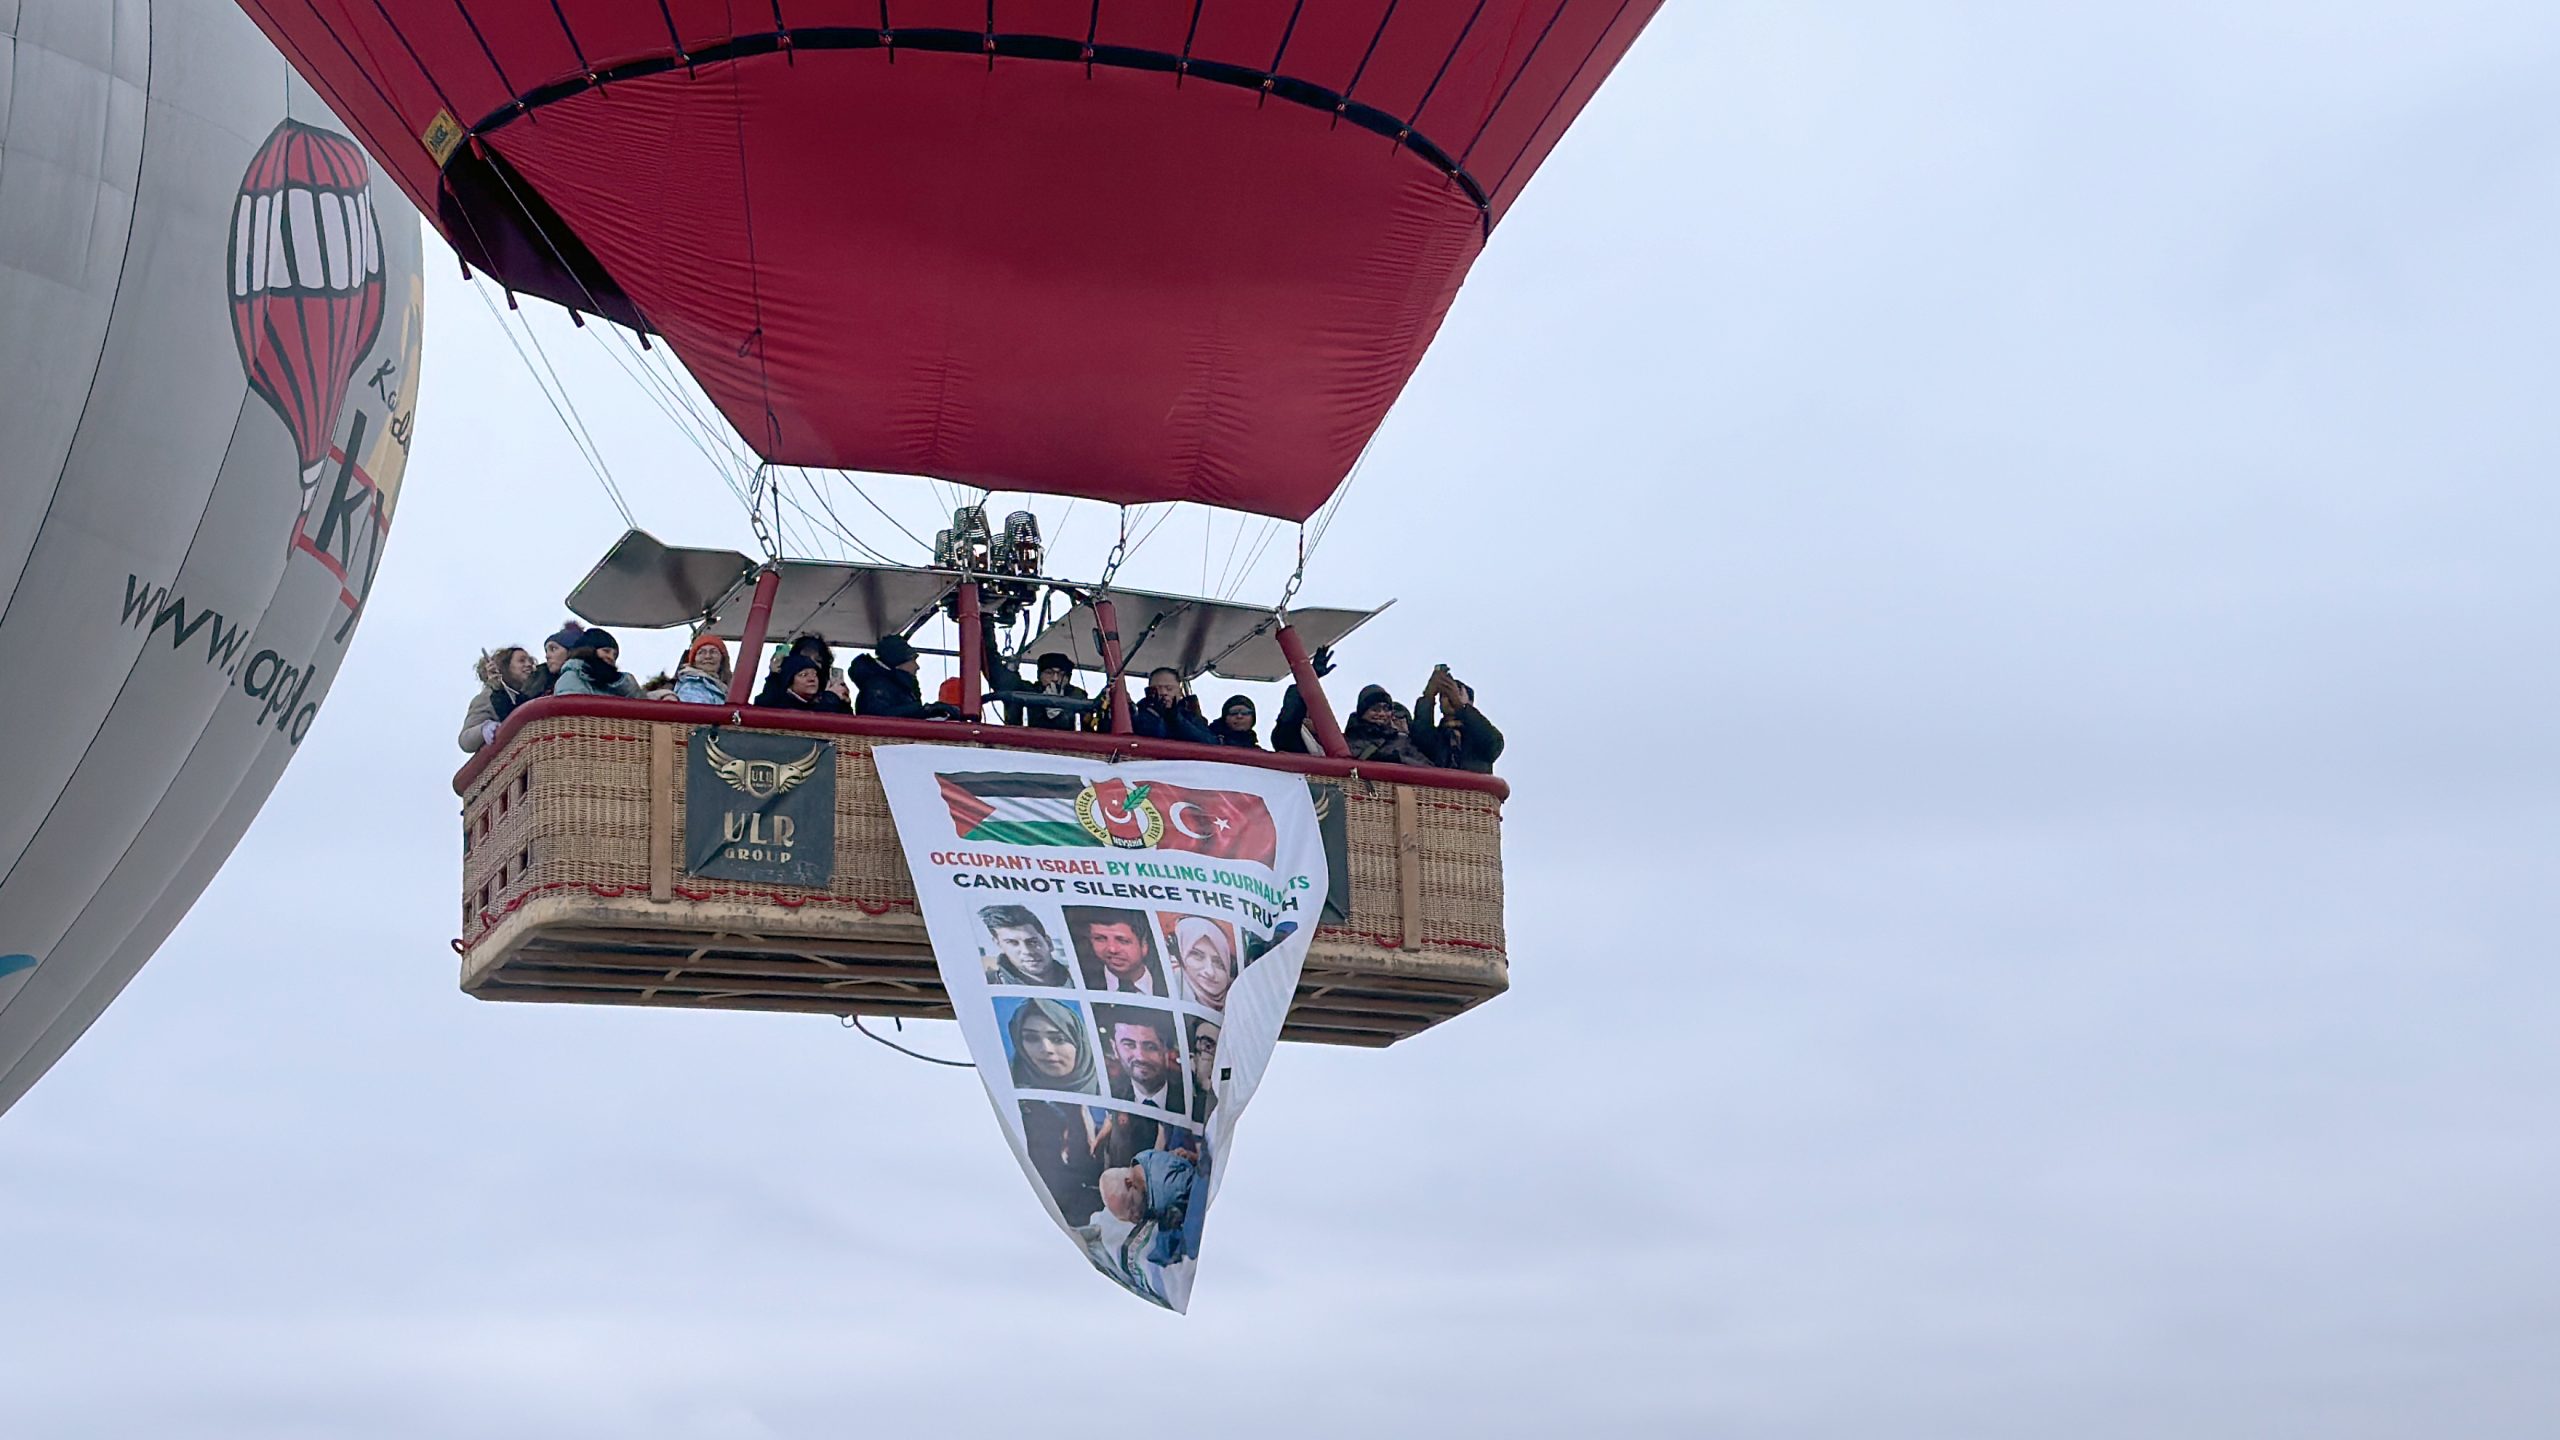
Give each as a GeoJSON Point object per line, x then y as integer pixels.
{"type": "Point", "coordinates": [209, 335]}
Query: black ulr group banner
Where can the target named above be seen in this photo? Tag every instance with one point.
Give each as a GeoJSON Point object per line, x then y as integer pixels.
{"type": "Point", "coordinates": [760, 807]}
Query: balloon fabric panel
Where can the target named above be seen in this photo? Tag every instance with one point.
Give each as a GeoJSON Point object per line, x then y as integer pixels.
{"type": "Point", "coordinates": [259, 316]}
{"type": "Point", "coordinates": [942, 285]}
{"type": "Point", "coordinates": [1134, 252]}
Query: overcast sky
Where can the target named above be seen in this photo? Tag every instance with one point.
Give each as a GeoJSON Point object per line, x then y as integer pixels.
{"type": "Point", "coordinates": [2014, 547]}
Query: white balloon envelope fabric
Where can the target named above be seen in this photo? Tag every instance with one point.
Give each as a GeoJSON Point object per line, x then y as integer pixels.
{"type": "Point", "coordinates": [1121, 944]}
{"type": "Point", "coordinates": [210, 321]}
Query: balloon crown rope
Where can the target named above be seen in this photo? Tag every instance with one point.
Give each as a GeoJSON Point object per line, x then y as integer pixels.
{"type": "Point", "coordinates": [584, 820]}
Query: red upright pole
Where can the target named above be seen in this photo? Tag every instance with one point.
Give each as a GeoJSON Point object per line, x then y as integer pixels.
{"type": "Point", "coordinates": [972, 654]}
{"type": "Point", "coordinates": [1116, 704]}
{"type": "Point", "coordinates": [1310, 690]}
{"type": "Point", "coordinates": [743, 676]}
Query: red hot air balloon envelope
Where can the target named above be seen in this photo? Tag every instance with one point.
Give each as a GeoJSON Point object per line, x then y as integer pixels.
{"type": "Point", "coordinates": [1132, 251]}
{"type": "Point", "coordinates": [306, 280]}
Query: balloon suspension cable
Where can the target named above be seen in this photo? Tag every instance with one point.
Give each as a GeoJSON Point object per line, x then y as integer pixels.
{"type": "Point", "coordinates": [854, 1022]}
{"type": "Point", "coordinates": [1297, 577]}
{"type": "Point", "coordinates": [1119, 552]}
{"type": "Point", "coordinates": [764, 485]}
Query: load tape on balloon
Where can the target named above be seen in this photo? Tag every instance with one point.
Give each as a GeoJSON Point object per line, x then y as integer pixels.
{"type": "Point", "coordinates": [1120, 943]}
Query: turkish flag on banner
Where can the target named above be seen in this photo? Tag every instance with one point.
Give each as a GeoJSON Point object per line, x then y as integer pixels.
{"type": "Point", "coordinates": [1226, 824]}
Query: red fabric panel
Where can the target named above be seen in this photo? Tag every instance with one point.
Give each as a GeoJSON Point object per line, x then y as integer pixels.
{"type": "Point", "coordinates": [1559, 93]}
{"type": "Point", "coordinates": [1246, 34]}
{"type": "Point", "coordinates": [1099, 287]}
{"type": "Point", "coordinates": [1024, 273]}
{"type": "Point", "coordinates": [1147, 24]}
{"type": "Point", "coordinates": [1330, 41]}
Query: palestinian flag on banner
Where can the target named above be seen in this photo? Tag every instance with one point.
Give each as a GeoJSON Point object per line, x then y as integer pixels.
{"type": "Point", "coordinates": [1012, 809]}
{"type": "Point", "coordinates": [1019, 809]}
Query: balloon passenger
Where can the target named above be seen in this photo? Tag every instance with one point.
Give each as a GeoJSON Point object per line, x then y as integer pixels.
{"type": "Point", "coordinates": [814, 648]}
{"type": "Point", "coordinates": [1236, 720]}
{"type": "Point", "coordinates": [703, 678]}
{"type": "Point", "coordinates": [1170, 711]}
{"type": "Point", "coordinates": [555, 654]}
{"type": "Point", "coordinates": [800, 685]}
{"type": "Point", "coordinates": [1381, 729]}
{"type": "Point", "coordinates": [1206, 959]}
{"type": "Point", "coordinates": [506, 677]}
{"type": "Point", "coordinates": [1290, 733]}
{"type": "Point", "coordinates": [1458, 738]}
{"type": "Point", "coordinates": [885, 684]}
{"type": "Point", "coordinates": [591, 668]}
{"type": "Point", "coordinates": [1024, 955]}
{"type": "Point", "coordinates": [1046, 1040]}
{"type": "Point", "coordinates": [1056, 678]}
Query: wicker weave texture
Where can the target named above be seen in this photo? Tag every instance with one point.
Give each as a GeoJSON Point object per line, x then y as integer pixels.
{"type": "Point", "coordinates": [568, 807]}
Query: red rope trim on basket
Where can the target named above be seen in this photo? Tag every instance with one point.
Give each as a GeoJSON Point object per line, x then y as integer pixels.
{"type": "Point", "coordinates": [1487, 808]}
{"type": "Point", "coordinates": [865, 904]}
{"type": "Point", "coordinates": [1396, 942]}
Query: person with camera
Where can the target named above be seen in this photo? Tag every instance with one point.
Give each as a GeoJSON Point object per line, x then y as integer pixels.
{"type": "Point", "coordinates": [1456, 737]}
{"type": "Point", "coordinates": [1170, 711]}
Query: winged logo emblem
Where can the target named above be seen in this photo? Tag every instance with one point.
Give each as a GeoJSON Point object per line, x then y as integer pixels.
{"type": "Point", "coordinates": [761, 779]}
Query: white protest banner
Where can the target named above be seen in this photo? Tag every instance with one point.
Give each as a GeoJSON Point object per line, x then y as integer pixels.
{"type": "Point", "coordinates": [1121, 943]}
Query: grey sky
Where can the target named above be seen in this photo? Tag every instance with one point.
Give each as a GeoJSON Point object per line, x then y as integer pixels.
{"type": "Point", "coordinates": [2013, 546]}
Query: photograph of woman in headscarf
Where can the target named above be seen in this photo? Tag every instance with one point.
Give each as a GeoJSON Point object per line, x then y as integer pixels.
{"type": "Point", "coordinates": [1204, 955]}
{"type": "Point", "coordinates": [1048, 1045]}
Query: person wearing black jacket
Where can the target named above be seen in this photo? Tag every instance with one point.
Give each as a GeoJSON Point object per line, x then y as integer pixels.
{"type": "Point", "coordinates": [1459, 738]}
{"type": "Point", "coordinates": [815, 650]}
{"type": "Point", "coordinates": [1382, 730]}
{"type": "Point", "coordinates": [1170, 711]}
{"type": "Point", "coordinates": [1379, 729]}
{"type": "Point", "coordinates": [885, 684]}
{"type": "Point", "coordinates": [1289, 732]}
{"type": "Point", "coordinates": [1057, 680]}
{"type": "Point", "coordinates": [800, 685]}
{"type": "Point", "coordinates": [1236, 720]}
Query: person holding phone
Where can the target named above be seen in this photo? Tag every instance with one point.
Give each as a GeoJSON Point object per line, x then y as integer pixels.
{"type": "Point", "coordinates": [1457, 737]}
{"type": "Point", "coordinates": [1170, 711]}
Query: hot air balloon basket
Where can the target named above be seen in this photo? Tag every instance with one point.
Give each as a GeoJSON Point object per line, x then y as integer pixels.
{"type": "Point", "coordinates": [575, 891]}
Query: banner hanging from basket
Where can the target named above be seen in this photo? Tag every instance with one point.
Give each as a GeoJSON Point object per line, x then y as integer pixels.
{"type": "Point", "coordinates": [1121, 943]}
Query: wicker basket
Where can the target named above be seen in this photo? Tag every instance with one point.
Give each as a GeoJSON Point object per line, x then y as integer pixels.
{"type": "Point", "coordinates": [570, 893]}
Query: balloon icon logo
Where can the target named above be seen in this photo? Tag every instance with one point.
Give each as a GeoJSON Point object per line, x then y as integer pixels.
{"type": "Point", "coordinates": [306, 281]}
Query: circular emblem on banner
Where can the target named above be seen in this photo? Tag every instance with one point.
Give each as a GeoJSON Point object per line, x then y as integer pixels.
{"type": "Point", "coordinates": [1124, 817]}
